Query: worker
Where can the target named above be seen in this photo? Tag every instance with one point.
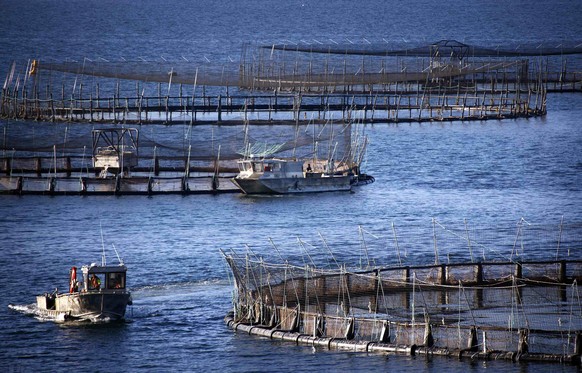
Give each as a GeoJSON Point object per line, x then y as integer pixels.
{"type": "Point", "coordinates": [95, 282]}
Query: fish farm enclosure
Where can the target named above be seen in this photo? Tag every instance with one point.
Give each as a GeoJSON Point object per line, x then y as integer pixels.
{"type": "Point", "coordinates": [312, 93]}
{"type": "Point", "coordinates": [446, 80]}
{"type": "Point", "coordinates": [66, 159]}
{"type": "Point", "coordinates": [498, 302]}
{"type": "Point", "coordinates": [172, 126]}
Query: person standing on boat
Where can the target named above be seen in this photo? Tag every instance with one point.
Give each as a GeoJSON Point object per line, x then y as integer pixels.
{"type": "Point", "coordinates": [74, 287]}
{"type": "Point", "coordinates": [329, 169]}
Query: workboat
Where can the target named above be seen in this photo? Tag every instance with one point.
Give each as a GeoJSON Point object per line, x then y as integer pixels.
{"type": "Point", "coordinates": [101, 295]}
{"type": "Point", "coordinates": [115, 151]}
{"type": "Point", "coordinates": [288, 176]}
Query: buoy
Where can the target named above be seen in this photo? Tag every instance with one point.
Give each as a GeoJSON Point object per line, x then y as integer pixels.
{"type": "Point", "coordinates": [73, 281]}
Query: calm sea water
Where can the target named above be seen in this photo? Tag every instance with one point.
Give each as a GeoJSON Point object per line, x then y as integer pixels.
{"type": "Point", "coordinates": [490, 173]}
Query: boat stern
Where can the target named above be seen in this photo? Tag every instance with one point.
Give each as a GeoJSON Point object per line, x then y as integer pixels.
{"type": "Point", "coordinates": [45, 301]}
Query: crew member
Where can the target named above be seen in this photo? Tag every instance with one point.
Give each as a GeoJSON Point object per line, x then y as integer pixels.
{"type": "Point", "coordinates": [95, 282]}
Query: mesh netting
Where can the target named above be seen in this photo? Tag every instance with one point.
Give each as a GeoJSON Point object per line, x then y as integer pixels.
{"type": "Point", "coordinates": [500, 304]}
{"type": "Point", "coordinates": [179, 142]}
{"type": "Point", "coordinates": [442, 47]}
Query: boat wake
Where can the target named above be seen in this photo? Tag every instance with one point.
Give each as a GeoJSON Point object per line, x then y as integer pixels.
{"type": "Point", "coordinates": [27, 309]}
{"type": "Point", "coordinates": [33, 311]}
{"type": "Point", "coordinates": [187, 286]}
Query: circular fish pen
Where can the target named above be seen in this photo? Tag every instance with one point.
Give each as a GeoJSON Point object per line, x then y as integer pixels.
{"type": "Point", "coordinates": [297, 82]}
{"type": "Point", "coordinates": [514, 309]}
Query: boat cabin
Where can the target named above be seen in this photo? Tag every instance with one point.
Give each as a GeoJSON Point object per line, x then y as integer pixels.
{"type": "Point", "coordinates": [270, 168]}
{"type": "Point", "coordinates": [115, 150]}
{"type": "Point", "coordinates": [97, 277]}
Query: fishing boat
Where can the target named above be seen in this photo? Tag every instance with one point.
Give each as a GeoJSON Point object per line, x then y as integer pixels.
{"type": "Point", "coordinates": [101, 295]}
{"type": "Point", "coordinates": [288, 176]}
{"type": "Point", "coordinates": [327, 160]}
{"type": "Point", "coordinates": [115, 151]}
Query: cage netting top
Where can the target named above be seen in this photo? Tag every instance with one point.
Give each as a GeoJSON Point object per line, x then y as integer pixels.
{"type": "Point", "coordinates": [442, 48]}
{"type": "Point", "coordinates": [198, 142]}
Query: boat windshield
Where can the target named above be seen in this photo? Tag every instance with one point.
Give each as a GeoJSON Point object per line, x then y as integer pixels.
{"type": "Point", "coordinates": [94, 282]}
{"type": "Point", "coordinates": [115, 280]}
{"type": "Point", "coordinates": [258, 166]}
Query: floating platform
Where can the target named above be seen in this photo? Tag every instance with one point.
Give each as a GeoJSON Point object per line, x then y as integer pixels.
{"type": "Point", "coordinates": [82, 185]}
{"type": "Point", "coordinates": [470, 353]}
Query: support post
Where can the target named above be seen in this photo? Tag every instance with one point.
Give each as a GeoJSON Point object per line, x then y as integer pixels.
{"type": "Point", "coordinates": [473, 343]}
{"type": "Point", "coordinates": [562, 272]}
{"type": "Point", "coordinates": [518, 270]}
{"type": "Point", "coordinates": [7, 166]}
{"type": "Point", "coordinates": [350, 328]}
{"type": "Point", "coordinates": [385, 332]}
{"type": "Point", "coordinates": [68, 166]}
{"type": "Point", "coordinates": [219, 109]}
{"type": "Point", "coordinates": [38, 162]}
{"type": "Point", "coordinates": [156, 166]}
{"type": "Point", "coordinates": [479, 273]}
{"type": "Point", "coordinates": [523, 345]}
{"type": "Point", "coordinates": [428, 338]}
{"type": "Point", "coordinates": [443, 275]}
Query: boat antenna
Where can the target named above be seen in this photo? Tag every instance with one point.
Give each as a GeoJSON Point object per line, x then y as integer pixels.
{"type": "Point", "coordinates": [103, 262]}
{"type": "Point", "coordinates": [116, 253]}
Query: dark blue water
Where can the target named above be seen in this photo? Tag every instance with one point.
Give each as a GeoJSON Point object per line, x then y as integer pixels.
{"type": "Point", "coordinates": [490, 173]}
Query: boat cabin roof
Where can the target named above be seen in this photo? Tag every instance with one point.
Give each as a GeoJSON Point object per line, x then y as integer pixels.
{"type": "Point", "coordinates": [93, 268]}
